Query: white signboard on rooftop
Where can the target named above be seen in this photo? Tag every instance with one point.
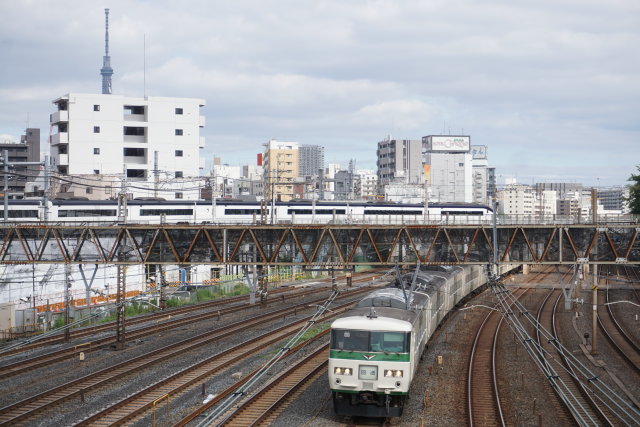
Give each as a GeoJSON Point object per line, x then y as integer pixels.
{"type": "Point", "coordinates": [450, 143]}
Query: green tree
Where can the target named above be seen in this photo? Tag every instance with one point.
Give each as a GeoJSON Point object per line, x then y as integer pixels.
{"type": "Point", "coordinates": [634, 192]}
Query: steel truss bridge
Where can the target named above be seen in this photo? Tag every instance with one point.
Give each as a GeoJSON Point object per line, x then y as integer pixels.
{"type": "Point", "coordinates": [313, 245]}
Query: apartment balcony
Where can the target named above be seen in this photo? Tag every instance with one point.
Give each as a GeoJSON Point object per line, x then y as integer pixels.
{"type": "Point", "coordinates": [63, 160]}
{"type": "Point", "coordinates": [135, 160]}
{"type": "Point", "coordinates": [135, 138]}
{"type": "Point", "coordinates": [59, 116]}
{"type": "Point", "coordinates": [60, 138]}
{"type": "Point", "coordinates": [202, 121]}
{"type": "Point", "coordinates": [135, 118]}
{"type": "Point", "coordinates": [202, 142]}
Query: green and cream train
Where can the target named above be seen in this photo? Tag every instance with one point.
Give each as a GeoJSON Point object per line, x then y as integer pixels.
{"type": "Point", "coordinates": [376, 346]}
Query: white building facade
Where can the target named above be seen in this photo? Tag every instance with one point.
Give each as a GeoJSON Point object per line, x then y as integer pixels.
{"type": "Point", "coordinates": [447, 162]}
{"type": "Point", "coordinates": [96, 134]}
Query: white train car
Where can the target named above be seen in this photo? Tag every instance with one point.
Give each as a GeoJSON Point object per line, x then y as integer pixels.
{"type": "Point", "coordinates": [225, 211]}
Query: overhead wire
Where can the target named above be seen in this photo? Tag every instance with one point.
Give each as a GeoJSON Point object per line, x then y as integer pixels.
{"type": "Point", "coordinates": [592, 380]}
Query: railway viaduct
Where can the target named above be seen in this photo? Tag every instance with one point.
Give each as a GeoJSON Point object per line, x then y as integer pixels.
{"type": "Point", "coordinates": [315, 245]}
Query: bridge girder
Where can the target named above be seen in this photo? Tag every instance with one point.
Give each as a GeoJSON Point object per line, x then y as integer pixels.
{"type": "Point", "coordinates": [345, 245]}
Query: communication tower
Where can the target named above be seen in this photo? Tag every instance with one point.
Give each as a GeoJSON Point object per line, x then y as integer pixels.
{"type": "Point", "coordinates": [106, 71]}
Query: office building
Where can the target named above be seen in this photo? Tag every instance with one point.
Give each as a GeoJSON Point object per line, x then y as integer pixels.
{"type": "Point", "coordinates": [448, 168]}
{"type": "Point", "coordinates": [399, 160]}
{"type": "Point", "coordinates": [27, 150]}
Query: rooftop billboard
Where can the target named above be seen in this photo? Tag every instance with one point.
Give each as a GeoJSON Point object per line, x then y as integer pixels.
{"type": "Point", "coordinates": [450, 143]}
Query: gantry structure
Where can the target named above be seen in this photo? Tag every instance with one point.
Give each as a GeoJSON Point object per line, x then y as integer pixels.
{"type": "Point", "coordinates": [313, 245]}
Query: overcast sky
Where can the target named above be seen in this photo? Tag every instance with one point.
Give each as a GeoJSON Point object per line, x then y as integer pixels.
{"type": "Point", "coordinates": [552, 87]}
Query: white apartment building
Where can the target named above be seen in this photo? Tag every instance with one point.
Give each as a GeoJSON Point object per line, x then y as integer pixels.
{"type": "Point", "coordinates": [614, 199]}
{"type": "Point", "coordinates": [517, 199]}
{"type": "Point", "coordinates": [95, 134]}
{"type": "Point", "coordinates": [448, 164]}
{"type": "Point", "coordinates": [546, 203]}
{"type": "Point", "coordinates": [365, 184]}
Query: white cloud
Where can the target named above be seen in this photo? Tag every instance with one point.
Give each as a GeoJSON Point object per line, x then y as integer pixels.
{"type": "Point", "coordinates": [518, 76]}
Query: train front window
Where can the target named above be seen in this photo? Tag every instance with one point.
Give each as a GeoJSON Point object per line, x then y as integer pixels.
{"type": "Point", "coordinates": [388, 342]}
{"type": "Point", "coordinates": [348, 340]}
{"type": "Point", "coordinates": [392, 342]}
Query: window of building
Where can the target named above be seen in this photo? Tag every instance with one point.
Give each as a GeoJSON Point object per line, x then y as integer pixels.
{"type": "Point", "coordinates": [178, 174]}
{"type": "Point", "coordinates": [131, 130]}
{"type": "Point", "coordinates": [134, 152]}
{"type": "Point", "coordinates": [96, 129]}
{"type": "Point", "coordinates": [179, 132]}
{"type": "Point", "coordinates": [89, 190]}
{"type": "Point", "coordinates": [461, 164]}
{"type": "Point", "coordinates": [96, 107]}
{"type": "Point", "coordinates": [134, 109]}
{"type": "Point", "coordinates": [136, 173]}
{"type": "Point", "coordinates": [178, 153]}
{"type": "Point", "coordinates": [179, 111]}
{"type": "Point", "coordinates": [96, 151]}
{"type": "Point", "coordinates": [96, 171]}
{"type": "Point", "coordinates": [178, 195]}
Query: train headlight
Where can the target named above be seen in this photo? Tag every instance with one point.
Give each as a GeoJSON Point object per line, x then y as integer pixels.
{"type": "Point", "coordinates": [343, 371]}
{"type": "Point", "coordinates": [393, 373]}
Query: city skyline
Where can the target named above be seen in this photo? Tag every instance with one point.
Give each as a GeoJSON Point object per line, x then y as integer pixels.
{"type": "Point", "coordinates": [550, 87]}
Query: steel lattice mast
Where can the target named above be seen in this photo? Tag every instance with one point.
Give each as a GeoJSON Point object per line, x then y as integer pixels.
{"type": "Point", "coordinates": [106, 71]}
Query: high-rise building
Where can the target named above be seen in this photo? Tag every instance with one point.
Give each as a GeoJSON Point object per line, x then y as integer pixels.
{"type": "Point", "coordinates": [113, 134]}
{"type": "Point", "coordinates": [311, 159]}
{"type": "Point", "coordinates": [399, 160]}
{"type": "Point", "coordinates": [281, 169]}
{"type": "Point", "coordinates": [447, 162]}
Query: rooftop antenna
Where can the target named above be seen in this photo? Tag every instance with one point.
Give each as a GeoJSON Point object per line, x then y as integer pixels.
{"type": "Point", "coordinates": [106, 71]}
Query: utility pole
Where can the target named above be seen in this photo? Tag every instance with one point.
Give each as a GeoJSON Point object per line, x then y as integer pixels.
{"type": "Point", "coordinates": [47, 189]}
{"type": "Point", "coordinates": [67, 300]}
{"type": "Point", "coordinates": [156, 174]}
{"type": "Point", "coordinates": [122, 197]}
{"type": "Point", "coordinates": [120, 300]}
{"type": "Point", "coordinates": [594, 320]}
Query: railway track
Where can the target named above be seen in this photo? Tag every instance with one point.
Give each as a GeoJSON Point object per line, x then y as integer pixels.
{"type": "Point", "coordinates": [49, 358]}
{"type": "Point", "coordinates": [159, 316]}
{"type": "Point", "coordinates": [483, 398]}
{"type": "Point", "coordinates": [571, 392]}
{"type": "Point", "coordinates": [131, 321]}
{"type": "Point", "coordinates": [42, 360]}
{"type": "Point", "coordinates": [136, 405]}
{"type": "Point", "coordinates": [34, 405]}
{"type": "Point", "coordinates": [616, 334]}
{"type": "Point", "coordinates": [265, 405]}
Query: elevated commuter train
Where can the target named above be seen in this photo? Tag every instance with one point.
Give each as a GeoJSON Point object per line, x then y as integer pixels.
{"type": "Point", "coordinates": [376, 346]}
{"type": "Point", "coordinates": [237, 212]}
